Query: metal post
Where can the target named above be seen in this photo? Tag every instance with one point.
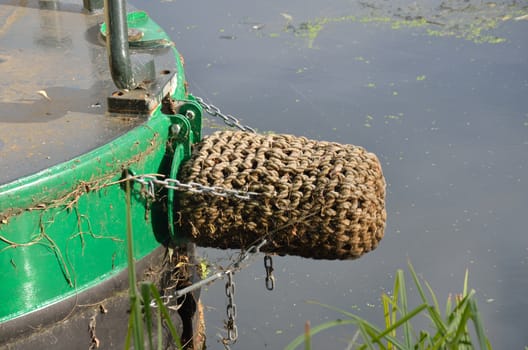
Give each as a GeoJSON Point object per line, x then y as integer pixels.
{"type": "Point", "coordinates": [117, 44]}
{"type": "Point", "coordinates": [92, 5]}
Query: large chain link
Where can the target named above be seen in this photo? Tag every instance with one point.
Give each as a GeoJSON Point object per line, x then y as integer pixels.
{"type": "Point", "coordinates": [148, 182]}
{"type": "Point", "coordinates": [228, 119]}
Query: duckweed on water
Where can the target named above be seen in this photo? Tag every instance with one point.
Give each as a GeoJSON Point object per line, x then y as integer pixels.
{"type": "Point", "coordinates": [459, 19]}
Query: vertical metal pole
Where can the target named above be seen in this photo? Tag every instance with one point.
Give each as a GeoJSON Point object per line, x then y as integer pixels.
{"type": "Point", "coordinates": [92, 5]}
{"type": "Point", "coordinates": [117, 44]}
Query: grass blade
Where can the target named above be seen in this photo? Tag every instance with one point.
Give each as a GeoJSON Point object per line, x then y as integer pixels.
{"type": "Point", "coordinates": [449, 306]}
{"type": "Point", "coordinates": [466, 278]}
{"type": "Point", "coordinates": [388, 314]}
{"type": "Point", "coordinates": [433, 297]}
{"type": "Point", "coordinates": [160, 331]}
{"type": "Point", "coordinates": [417, 282]}
{"type": "Point", "coordinates": [300, 339]}
{"type": "Point", "coordinates": [128, 338]}
{"type": "Point", "coordinates": [403, 302]}
{"type": "Point", "coordinates": [479, 327]}
{"type": "Point", "coordinates": [307, 336]}
{"type": "Point", "coordinates": [451, 331]}
{"type": "Point", "coordinates": [145, 294]}
{"type": "Point", "coordinates": [366, 336]}
{"type": "Point", "coordinates": [392, 340]}
{"type": "Point", "coordinates": [436, 318]}
{"type": "Point", "coordinates": [333, 308]}
{"type": "Point", "coordinates": [435, 313]}
{"type": "Point", "coordinates": [165, 315]}
{"type": "Point", "coordinates": [461, 326]}
{"type": "Point", "coordinates": [368, 328]}
{"type": "Point", "coordinates": [135, 306]}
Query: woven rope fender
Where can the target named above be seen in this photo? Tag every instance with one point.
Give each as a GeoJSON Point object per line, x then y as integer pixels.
{"type": "Point", "coordinates": [315, 199]}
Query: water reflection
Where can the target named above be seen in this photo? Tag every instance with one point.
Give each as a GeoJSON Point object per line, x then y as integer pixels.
{"type": "Point", "coordinates": [51, 34]}
{"type": "Point", "coordinates": [446, 115]}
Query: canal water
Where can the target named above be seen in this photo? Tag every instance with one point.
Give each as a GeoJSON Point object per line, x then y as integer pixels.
{"type": "Point", "coordinates": [437, 89]}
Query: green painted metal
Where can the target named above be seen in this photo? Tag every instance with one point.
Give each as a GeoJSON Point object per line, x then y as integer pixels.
{"type": "Point", "coordinates": [63, 230]}
{"type": "Point", "coordinates": [152, 35]}
{"type": "Point", "coordinates": [189, 127]}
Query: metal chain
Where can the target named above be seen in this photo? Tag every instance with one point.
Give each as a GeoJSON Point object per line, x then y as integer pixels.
{"type": "Point", "coordinates": [148, 181]}
{"type": "Point", "coordinates": [232, 329]}
{"type": "Point", "coordinates": [232, 268]}
{"type": "Point", "coordinates": [228, 119]}
{"type": "Point", "coordinates": [270, 279]}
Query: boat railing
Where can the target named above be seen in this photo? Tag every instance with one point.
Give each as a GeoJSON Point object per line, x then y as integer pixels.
{"type": "Point", "coordinates": [117, 44]}
{"type": "Point", "coordinates": [126, 72]}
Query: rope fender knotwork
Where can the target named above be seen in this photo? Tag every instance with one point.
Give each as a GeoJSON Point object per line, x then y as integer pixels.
{"type": "Point", "coordinates": [315, 199]}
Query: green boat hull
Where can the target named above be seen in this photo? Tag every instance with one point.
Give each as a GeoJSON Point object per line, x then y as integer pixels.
{"type": "Point", "coordinates": [63, 226]}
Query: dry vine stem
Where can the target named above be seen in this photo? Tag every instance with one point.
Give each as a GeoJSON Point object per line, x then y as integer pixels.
{"type": "Point", "coordinates": [320, 199]}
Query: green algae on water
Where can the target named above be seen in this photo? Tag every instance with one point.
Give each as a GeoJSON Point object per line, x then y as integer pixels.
{"type": "Point", "coordinates": [460, 19]}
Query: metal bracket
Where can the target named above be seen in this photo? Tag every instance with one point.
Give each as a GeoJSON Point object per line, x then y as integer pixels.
{"type": "Point", "coordinates": [146, 97]}
{"type": "Point", "coordinates": [142, 60]}
{"type": "Point", "coordinates": [180, 131]}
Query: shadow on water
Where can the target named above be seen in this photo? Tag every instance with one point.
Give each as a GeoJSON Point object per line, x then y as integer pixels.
{"type": "Point", "coordinates": [437, 91]}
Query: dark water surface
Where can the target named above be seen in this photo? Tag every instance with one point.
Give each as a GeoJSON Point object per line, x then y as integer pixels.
{"type": "Point", "coordinates": [441, 100]}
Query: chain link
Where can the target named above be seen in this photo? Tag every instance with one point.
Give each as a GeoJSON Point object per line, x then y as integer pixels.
{"type": "Point", "coordinates": [232, 329]}
{"type": "Point", "coordinates": [166, 300]}
{"type": "Point", "coordinates": [270, 279]}
{"type": "Point", "coordinates": [228, 119]}
{"type": "Point", "coordinates": [148, 182]}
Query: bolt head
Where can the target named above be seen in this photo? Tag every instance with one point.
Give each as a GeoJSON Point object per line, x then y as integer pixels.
{"type": "Point", "coordinates": [190, 115]}
{"type": "Point", "coordinates": [175, 129]}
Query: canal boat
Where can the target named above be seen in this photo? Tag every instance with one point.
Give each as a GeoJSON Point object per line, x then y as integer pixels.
{"type": "Point", "coordinates": [91, 97]}
{"type": "Point", "coordinates": [97, 134]}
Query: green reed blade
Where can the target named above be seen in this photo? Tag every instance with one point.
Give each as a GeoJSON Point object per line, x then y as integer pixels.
{"type": "Point", "coordinates": [135, 305]}
{"type": "Point", "coordinates": [147, 312]}
{"type": "Point", "coordinates": [386, 334]}
{"type": "Point", "coordinates": [466, 278]}
{"type": "Point", "coordinates": [451, 331]}
{"type": "Point", "coordinates": [366, 336]}
{"type": "Point", "coordinates": [407, 331]}
{"type": "Point", "coordinates": [160, 331]}
{"type": "Point", "coordinates": [461, 327]}
{"type": "Point", "coordinates": [300, 339]}
{"type": "Point", "coordinates": [479, 327]}
{"type": "Point", "coordinates": [417, 282]}
{"type": "Point", "coordinates": [388, 315]}
{"type": "Point", "coordinates": [307, 336]}
{"type": "Point", "coordinates": [435, 316]}
{"type": "Point", "coordinates": [128, 338]}
{"type": "Point", "coordinates": [166, 316]}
